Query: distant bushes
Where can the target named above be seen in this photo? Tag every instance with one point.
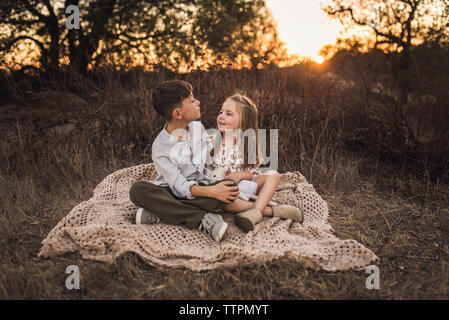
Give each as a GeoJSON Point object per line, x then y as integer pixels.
{"type": "Point", "coordinates": [318, 115]}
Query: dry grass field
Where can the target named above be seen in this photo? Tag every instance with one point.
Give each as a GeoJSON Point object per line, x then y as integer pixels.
{"type": "Point", "coordinates": [386, 193]}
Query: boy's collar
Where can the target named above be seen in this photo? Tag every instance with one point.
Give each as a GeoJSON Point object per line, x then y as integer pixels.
{"type": "Point", "coordinates": [180, 138]}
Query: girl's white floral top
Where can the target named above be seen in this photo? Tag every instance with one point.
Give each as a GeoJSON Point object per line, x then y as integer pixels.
{"type": "Point", "coordinates": [228, 157]}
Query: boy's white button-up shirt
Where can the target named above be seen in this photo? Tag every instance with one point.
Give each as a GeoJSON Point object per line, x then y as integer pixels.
{"type": "Point", "coordinates": [180, 162]}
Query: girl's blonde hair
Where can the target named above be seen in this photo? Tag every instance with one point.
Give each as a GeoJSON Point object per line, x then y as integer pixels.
{"type": "Point", "coordinates": [249, 115]}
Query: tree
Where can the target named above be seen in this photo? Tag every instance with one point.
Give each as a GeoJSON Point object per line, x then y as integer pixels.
{"type": "Point", "coordinates": [397, 26]}
{"type": "Point", "coordinates": [165, 32]}
{"type": "Point", "coordinates": [255, 39]}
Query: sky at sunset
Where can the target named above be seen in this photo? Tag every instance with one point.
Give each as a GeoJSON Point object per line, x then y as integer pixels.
{"type": "Point", "coordinates": [304, 26]}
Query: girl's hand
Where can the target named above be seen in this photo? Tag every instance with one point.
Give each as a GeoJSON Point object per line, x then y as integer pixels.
{"type": "Point", "coordinates": [236, 176]}
{"type": "Point", "coordinates": [240, 175]}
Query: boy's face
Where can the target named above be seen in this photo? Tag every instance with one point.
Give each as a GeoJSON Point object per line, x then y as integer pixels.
{"type": "Point", "coordinates": [190, 108]}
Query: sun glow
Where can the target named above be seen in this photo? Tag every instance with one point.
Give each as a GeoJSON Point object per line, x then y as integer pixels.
{"type": "Point", "coordinates": [304, 27]}
{"type": "Point", "coordinates": [318, 59]}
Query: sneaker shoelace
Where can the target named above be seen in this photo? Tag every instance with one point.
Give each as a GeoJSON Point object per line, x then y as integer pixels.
{"type": "Point", "coordinates": [206, 226]}
{"type": "Point", "coordinates": [153, 218]}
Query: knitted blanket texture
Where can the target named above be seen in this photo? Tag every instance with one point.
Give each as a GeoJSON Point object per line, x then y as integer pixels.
{"type": "Point", "coordinates": [102, 228]}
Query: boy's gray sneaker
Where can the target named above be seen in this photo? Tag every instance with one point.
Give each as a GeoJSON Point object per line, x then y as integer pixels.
{"type": "Point", "coordinates": [144, 216]}
{"type": "Point", "coordinates": [213, 225]}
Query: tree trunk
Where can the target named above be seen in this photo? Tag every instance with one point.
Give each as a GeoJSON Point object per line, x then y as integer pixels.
{"type": "Point", "coordinates": [404, 76]}
{"type": "Point", "coordinates": [81, 53]}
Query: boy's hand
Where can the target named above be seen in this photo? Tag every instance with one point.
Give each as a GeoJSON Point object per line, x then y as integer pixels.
{"type": "Point", "coordinates": [225, 193]}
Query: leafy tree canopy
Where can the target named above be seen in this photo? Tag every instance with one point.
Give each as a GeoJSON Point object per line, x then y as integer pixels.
{"type": "Point", "coordinates": [182, 34]}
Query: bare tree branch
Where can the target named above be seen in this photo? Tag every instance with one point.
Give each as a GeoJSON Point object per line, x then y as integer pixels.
{"type": "Point", "coordinates": [33, 10]}
{"type": "Point", "coordinates": [12, 42]}
{"type": "Point", "coordinates": [27, 23]}
{"type": "Point", "coordinates": [50, 9]}
{"type": "Point", "coordinates": [344, 10]}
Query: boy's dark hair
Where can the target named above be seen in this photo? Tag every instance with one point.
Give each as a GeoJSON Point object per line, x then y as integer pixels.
{"type": "Point", "coordinates": [169, 95]}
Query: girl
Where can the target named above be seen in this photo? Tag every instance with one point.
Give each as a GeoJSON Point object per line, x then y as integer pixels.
{"type": "Point", "coordinates": [239, 112]}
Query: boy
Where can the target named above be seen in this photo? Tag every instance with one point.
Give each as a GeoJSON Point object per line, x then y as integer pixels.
{"type": "Point", "coordinates": [181, 193]}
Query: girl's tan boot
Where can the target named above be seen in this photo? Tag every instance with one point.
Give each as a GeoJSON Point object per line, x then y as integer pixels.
{"type": "Point", "coordinates": [248, 219]}
{"type": "Point", "coordinates": [286, 211]}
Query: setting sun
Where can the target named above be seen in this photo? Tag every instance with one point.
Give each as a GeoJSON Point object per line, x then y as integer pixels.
{"type": "Point", "coordinates": [319, 59]}
{"type": "Point", "coordinates": [304, 27]}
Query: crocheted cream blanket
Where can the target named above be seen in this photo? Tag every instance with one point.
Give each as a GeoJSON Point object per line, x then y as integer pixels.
{"type": "Point", "coordinates": [102, 228]}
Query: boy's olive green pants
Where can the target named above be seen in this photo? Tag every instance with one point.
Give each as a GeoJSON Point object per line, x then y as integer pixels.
{"type": "Point", "coordinates": [171, 209]}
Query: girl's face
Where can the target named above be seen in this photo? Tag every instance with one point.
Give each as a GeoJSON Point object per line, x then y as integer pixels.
{"type": "Point", "coordinates": [228, 117]}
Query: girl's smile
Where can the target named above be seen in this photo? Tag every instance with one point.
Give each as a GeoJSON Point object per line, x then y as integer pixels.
{"type": "Point", "coordinates": [228, 118]}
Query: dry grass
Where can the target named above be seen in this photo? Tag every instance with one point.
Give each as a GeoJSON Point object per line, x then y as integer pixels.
{"type": "Point", "coordinates": [400, 215]}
